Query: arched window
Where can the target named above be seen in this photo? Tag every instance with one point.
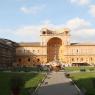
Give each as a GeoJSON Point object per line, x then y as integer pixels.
{"type": "Point", "coordinates": [44, 32]}
{"type": "Point", "coordinates": [38, 51]}
{"type": "Point", "coordinates": [33, 51]}
{"type": "Point", "coordinates": [38, 60]}
{"type": "Point", "coordinates": [72, 59]}
{"type": "Point", "coordinates": [91, 58]}
{"type": "Point", "coordinates": [28, 59]}
{"type": "Point", "coordinates": [81, 59]}
{"type": "Point", "coordinates": [19, 59]}
{"type": "Point", "coordinates": [24, 51]}
{"type": "Point", "coordinates": [66, 32]}
{"type": "Point", "coordinates": [77, 50]}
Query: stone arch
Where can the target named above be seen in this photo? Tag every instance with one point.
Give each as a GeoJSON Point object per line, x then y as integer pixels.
{"type": "Point", "coordinates": [53, 48]}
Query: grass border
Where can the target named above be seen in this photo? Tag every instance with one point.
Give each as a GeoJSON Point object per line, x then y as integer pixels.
{"type": "Point", "coordinates": [36, 90]}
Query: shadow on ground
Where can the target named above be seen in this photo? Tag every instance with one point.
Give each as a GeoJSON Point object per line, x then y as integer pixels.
{"type": "Point", "coordinates": [29, 83]}
{"type": "Point", "coordinates": [58, 89]}
{"type": "Point", "coordinates": [87, 85]}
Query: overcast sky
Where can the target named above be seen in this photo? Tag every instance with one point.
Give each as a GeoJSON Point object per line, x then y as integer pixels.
{"type": "Point", "coordinates": [21, 20]}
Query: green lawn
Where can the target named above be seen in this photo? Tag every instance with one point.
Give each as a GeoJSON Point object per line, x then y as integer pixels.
{"type": "Point", "coordinates": [72, 68]}
{"type": "Point", "coordinates": [31, 81]}
{"type": "Point", "coordinates": [78, 68]}
{"type": "Point", "coordinates": [84, 80]}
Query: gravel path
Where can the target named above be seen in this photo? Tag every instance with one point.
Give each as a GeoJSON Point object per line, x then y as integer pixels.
{"type": "Point", "coordinates": [57, 84]}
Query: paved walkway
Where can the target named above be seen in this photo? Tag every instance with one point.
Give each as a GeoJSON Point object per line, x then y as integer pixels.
{"type": "Point", "coordinates": [57, 84]}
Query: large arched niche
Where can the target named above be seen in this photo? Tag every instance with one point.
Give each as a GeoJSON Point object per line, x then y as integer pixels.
{"type": "Point", "coordinates": [53, 48]}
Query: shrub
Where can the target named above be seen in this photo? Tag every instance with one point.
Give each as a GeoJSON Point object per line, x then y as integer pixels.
{"type": "Point", "coordinates": [91, 69]}
{"type": "Point", "coordinates": [67, 75]}
{"type": "Point", "coordinates": [93, 80]}
{"type": "Point", "coordinates": [82, 70]}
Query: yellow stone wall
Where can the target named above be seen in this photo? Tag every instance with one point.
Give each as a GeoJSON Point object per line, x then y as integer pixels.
{"type": "Point", "coordinates": [80, 54]}
{"type": "Point", "coordinates": [67, 53]}
{"type": "Point", "coordinates": [30, 56]}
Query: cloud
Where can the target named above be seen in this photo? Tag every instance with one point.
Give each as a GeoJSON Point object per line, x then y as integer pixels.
{"type": "Point", "coordinates": [77, 23]}
{"type": "Point", "coordinates": [32, 33]}
{"type": "Point", "coordinates": [6, 33]}
{"type": "Point", "coordinates": [92, 10]}
{"type": "Point", "coordinates": [88, 3]}
{"type": "Point", "coordinates": [80, 2]}
{"type": "Point", "coordinates": [80, 31]}
{"type": "Point", "coordinates": [32, 10]}
{"type": "Point", "coordinates": [22, 34]}
{"type": "Point", "coordinates": [83, 35]}
{"type": "Point", "coordinates": [28, 33]}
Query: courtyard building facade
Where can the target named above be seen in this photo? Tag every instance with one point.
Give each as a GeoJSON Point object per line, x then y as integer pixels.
{"type": "Point", "coordinates": [7, 53]}
{"type": "Point", "coordinates": [55, 44]}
